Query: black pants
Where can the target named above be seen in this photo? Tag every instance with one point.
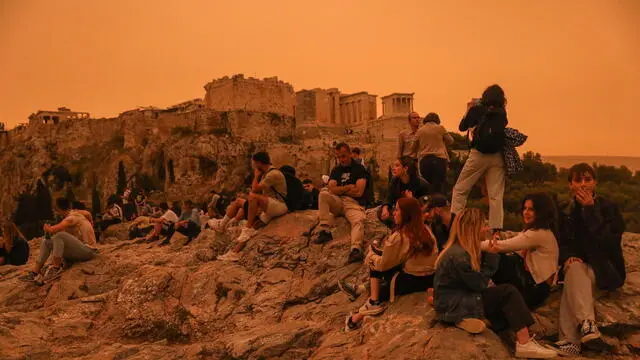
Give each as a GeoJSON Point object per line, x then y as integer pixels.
{"type": "Point", "coordinates": [434, 170]}
{"type": "Point", "coordinates": [104, 224]}
{"type": "Point", "coordinates": [405, 283]}
{"type": "Point", "coordinates": [512, 271]}
{"type": "Point", "coordinates": [504, 306]}
{"type": "Point", "coordinates": [191, 231]}
{"type": "Point", "coordinates": [389, 221]}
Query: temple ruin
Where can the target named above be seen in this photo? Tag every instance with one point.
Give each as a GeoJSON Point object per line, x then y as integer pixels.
{"type": "Point", "coordinates": [54, 117]}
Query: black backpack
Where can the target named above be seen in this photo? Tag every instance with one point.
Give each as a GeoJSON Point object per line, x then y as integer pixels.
{"type": "Point", "coordinates": [489, 134]}
{"type": "Point", "coordinates": [295, 192]}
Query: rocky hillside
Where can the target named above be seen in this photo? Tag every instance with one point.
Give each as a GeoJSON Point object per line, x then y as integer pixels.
{"type": "Point", "coordinates": [281, 301]}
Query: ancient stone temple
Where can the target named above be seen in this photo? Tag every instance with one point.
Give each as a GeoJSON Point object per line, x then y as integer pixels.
{"type": "Point", "coordinates": [395, 111]}
{"type": "Point", "coordinates": [268, 95]}
{"type": "Point", "coordinates": [54, 117]}
{"type": "Point", "coordinates": [330, 108]}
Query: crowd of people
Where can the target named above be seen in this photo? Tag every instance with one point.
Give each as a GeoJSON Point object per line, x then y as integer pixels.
{"type": "Point", "coordinates": [473, 274]}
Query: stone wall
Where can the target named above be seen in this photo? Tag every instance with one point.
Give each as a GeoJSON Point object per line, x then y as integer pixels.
{"type": "Point", "coordinates": [253, 95]}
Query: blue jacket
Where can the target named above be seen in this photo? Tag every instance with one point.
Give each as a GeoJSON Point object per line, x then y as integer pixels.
{"type": "Point", "coordinates": [457, 287]}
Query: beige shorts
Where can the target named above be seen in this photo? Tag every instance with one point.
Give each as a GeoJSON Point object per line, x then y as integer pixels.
{"type": "Point", "coordinates": [275, 209]}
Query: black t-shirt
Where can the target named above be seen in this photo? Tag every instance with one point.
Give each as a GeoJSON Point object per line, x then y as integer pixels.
{"type": "Point", "coordinates": [441, 231]}
{"type": "Point", "coordinates": [349, 175]}
{"type": "Point", "coordinates": [19, 254]}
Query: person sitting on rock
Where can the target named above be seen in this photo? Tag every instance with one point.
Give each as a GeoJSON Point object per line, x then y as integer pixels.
{"type": "Point", "coordinates": [163, 223]}
{"type": "Point", "coordinates": [268, 194]}
{"type": "Point", "coordinates": [533, 269]}
{"type": "Point", "coordinates": [235, 212]}
{"type": "Point", "coordinates": [14, 248]}
{"type": "Point", "coordinates": [347, 184]}
{"type": "Point", "coordinates": [72, 240]}
{"type": "Point", "coordinates": [112, 215]}
{"type": "Point", "coordinates": [310, 195]}
{"type": "Point", "coordinates": [590, 241]}
{"type": "Point", "coordinates": [142, 207]}
{"type": "Point", "coordinates": [356, 154]}
{"type": "Point", "coordinates": [188, 224]}
{"type": "Point", "coordinates": [461, 292]}
{"type": "Point", "coordinates": [437, 213]}
{"type": "Point", "coordinates": [405, 264]}
{"type": "Point", "coordinates": [405, 183]}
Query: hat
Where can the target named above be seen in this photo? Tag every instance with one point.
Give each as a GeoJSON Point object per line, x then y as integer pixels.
{"type": "Point", "coordinates": [434, 201]}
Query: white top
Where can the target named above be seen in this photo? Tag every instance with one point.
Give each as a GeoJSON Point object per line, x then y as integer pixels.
{"type": "Point", "coordinates": [170, 216]}
{"type": "Point", "coordinates": [542, 255]}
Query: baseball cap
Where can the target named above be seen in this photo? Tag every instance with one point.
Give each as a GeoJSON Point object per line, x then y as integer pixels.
{"type": "Point", "coordinates": [434, 201]}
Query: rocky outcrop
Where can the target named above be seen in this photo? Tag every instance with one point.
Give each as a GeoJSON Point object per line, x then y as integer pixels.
{"type": "Point", "coordinates": [281, 301]}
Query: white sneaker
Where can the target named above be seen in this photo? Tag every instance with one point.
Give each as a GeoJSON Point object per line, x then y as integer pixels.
{"type": "Point", "coordinates": [533, 350]}
{"type": "Point", "coordinates": [245, 235]}
{"type": "Point", "coordinates": [229, 256]}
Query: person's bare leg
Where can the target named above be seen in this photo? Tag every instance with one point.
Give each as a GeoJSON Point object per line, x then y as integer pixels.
{"type": "Point", "coordinates": [157, 228]}
{"type": "Point", "coordinates": [256, 202]}
{"type": "Point", "coordinates": [522, 335]}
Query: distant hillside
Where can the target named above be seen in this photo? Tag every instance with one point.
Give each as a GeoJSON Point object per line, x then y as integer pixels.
{"type": "Point", "coordinates": [631, 162]}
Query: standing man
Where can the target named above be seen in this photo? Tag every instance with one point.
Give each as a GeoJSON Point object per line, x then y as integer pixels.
{"type": "Point", "coordinates": [346, 197]}
{"type": "Point", "coordinates": [406, 138]}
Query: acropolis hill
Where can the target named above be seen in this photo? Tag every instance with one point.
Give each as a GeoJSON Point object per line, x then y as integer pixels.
{"type": "Point", "coordinates": [198, 145]}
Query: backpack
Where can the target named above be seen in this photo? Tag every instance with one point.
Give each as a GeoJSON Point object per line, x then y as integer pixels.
{"type": "Point", "coordinates": [295, 192]}
{"type": "Point", "coordinates": [489, 134]}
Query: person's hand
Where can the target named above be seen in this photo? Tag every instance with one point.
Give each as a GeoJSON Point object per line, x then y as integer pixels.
{"type": "Point", "coordinates": [585, 198]}
{"type": "Point", "coordinates": [47, 228]}
{"type": "Point", "coordinates": [407, 194]}
{"type": "Point", "coordinates": [494, 248]}
{"type": "Point", "coordinates": [257, 173]}
{"type": "Point", "coordinates": [385, 213]}
{"type": "Point", "coordinates": [570, 261]}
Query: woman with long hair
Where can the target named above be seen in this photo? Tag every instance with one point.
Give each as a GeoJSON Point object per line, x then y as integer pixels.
{"type": "Point", "coordinates": [529, 260]}
{"type": "Point", "coordinates": [462, 295]}
{"type": "Point", "coordinates": [14, 249]}
{"type": "Point", "coordinates": [487, 118]}
{"type": "Point", "coordinates": [405, 182]}
{"type": "Point", "coordinates": [404, 265]}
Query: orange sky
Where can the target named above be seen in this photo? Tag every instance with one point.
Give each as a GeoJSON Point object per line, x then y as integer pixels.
{"type": "Point", "coordinates": [570, 68]}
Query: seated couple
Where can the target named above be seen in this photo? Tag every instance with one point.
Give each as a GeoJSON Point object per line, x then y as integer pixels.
{"type": "Point", "coordinates": [188, 224]}
{"type": "Point", "coordinates": [265, 202]}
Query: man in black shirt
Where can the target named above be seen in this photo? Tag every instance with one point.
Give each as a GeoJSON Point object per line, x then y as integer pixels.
{"type": "Point", "coordinates": [437, 213]}
{"type": "Point", "coordinates": [345, 197]}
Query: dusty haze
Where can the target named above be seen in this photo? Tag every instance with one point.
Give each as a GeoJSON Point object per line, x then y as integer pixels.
{"type": "Point", "coordinates": [570, 68]}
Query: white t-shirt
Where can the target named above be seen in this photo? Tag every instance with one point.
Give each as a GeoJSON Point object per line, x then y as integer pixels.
{"type": "Point", "coordinates": [170, 216]}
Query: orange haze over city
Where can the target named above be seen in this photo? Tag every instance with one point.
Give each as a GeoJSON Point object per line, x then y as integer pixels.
{"type": "Point", "coordinates": [570, 69]}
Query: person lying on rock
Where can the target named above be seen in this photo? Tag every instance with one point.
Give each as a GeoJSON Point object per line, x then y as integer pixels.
{"type": "Point", "coordinates": [345, 197]}
{"type": "Point", "coordinates": [461, 293]}
{"type": "Point", "coordinates": [188, 224]}
{"type": "Point", "coordinates": [533, 269]}
{"type": "Point", "coordinates": [72, 240]}
{"type": "Point", "coordinates": [163, 223]}
{"type": "Point", "coordinates": [14, 249]}
{"type": "Point", "coordinates": [404, 265]}
{"type": "Point", "coordinates": [266, 200]}
{"type": "Point", "coordinates": [405, 183]}
{"type": "Point", "coordinates": [439, 217]}
{"type": "Point", "coordinates": [590, 240]}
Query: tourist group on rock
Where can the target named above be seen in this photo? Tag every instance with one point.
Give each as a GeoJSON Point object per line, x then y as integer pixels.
{"type": "Point", "coordinates": [470, 271]}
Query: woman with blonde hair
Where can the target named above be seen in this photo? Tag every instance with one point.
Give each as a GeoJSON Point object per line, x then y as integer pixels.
{"type": "Point", "coordinates": [405, 264]}
{"type": "Point", "coordinates": [462, 295]}
{"type": "Point", "coordinates": [14, 249]}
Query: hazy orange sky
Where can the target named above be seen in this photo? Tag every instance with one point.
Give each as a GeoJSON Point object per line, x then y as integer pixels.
{"type": "Point", "coordinates": [570, 68]}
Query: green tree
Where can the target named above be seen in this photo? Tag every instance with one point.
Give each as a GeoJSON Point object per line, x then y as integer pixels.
{"type": "Point", "coordinates": [535, 170]}
{"type": "Point", "coordinates": [122, 179]}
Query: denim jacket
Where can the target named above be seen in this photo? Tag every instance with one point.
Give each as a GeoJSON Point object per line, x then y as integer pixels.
{"type": "Point", "coordinates": [457, 287]}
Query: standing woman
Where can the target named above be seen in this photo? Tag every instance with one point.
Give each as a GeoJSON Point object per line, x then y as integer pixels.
{"type": "Point", "coordinates": [14, 249]}
{"type": "Point", "coordinates": [488, 119]}
{"type": "Point", "coordinates": [461, 293]}
{"type": "Point", "coordinates": [431, 146]}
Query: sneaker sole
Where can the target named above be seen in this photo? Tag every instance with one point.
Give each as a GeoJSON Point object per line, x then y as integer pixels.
{"type": "Point", "coordinates": [372, 312]}
{"type": "Point", "coordinates": [536, 355]}
{"type": "Point", "coordinates": [472, 326]}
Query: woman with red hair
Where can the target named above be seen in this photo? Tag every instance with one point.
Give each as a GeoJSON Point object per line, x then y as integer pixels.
{"type": "Point", "coordinates": [405, 264]}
